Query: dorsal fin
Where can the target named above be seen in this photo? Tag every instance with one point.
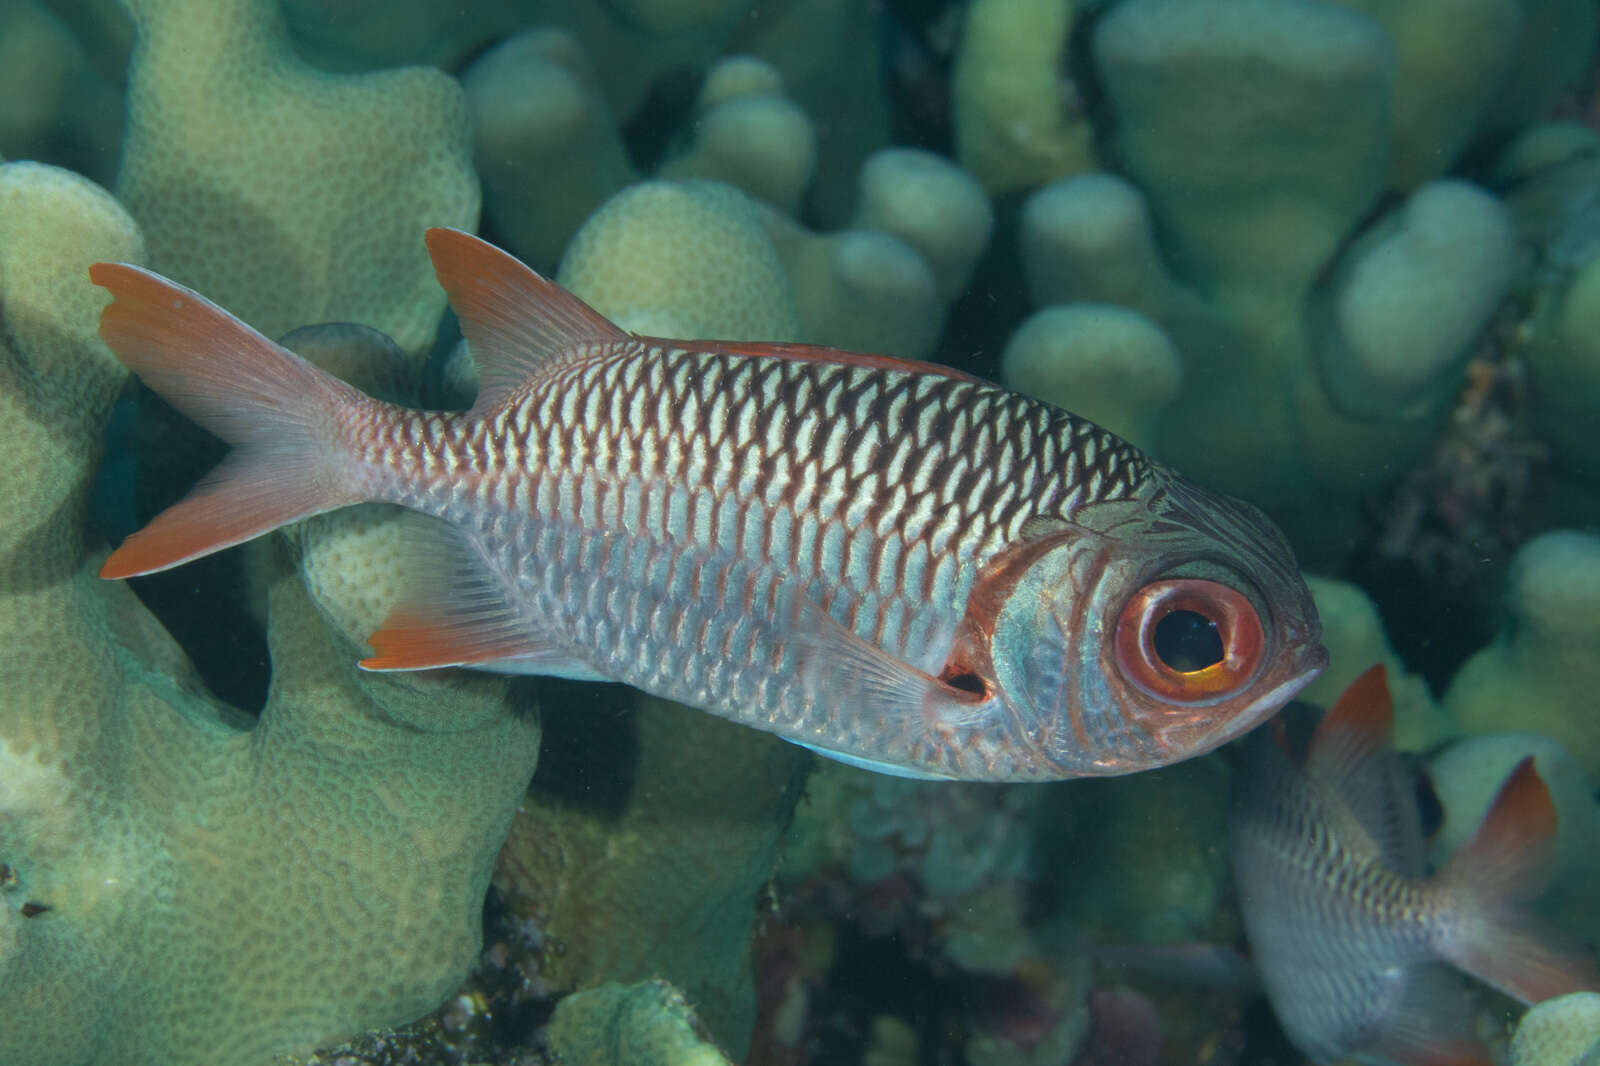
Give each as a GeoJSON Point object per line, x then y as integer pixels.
{"type": "Point", "coordinates": [818, 353]}
{"type": "Point", "coordinates": [515, 320]}
{"type": "Point", "coordinates": [1356, 728]}
{"type": "Point", "coordinates": [1351, 755]}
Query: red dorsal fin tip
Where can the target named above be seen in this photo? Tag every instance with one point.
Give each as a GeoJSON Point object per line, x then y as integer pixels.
{"type": "Point", "coordinates": [515, 321]}
{"type": "Point", "coordinates": [1356, 728]}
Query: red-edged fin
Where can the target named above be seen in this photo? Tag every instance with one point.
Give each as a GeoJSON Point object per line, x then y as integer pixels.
{"type": "Point", "coordinates": [1350, 755]}
{"type": "Point", "coordinates": [514, 320]}
{"type": "Point", "coordinates": [456, 613]}
{"type": "Point", "coordinates": [1507, 862]}
{"type": "Point", "coordinates": [420, 639]}
{"type": "Point", "coordinates": [816, 353]}
{"type": "Point", "coordinates": [274, 407]}
{"type": "Point", "coordinates": [1358, 727]}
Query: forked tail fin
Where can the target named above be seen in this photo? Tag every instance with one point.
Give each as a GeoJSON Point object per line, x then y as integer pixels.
{"type": "Point", "coordinates": [275, 408]}
{"type": "Point", "coordinates": [1504, 865]}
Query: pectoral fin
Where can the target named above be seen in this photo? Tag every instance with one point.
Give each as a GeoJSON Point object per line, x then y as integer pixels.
{"type": "Point", "coordinates": [918, 715]}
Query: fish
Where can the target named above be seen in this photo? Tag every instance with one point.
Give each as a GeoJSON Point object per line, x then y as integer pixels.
{"type": "Point", "coordinates": [1355, 946]}
{"type": "Point", "coordinates": [893, 563]}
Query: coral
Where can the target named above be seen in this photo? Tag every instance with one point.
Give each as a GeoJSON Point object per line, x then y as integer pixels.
{"type": "Point", "coordinates": [1564, 1031]}
{"type": "Point", "coordinates": [254, 176]}
{"type": "Point", "coordinates": [647, 1024]}
{"type": "Point", "coordinates": [1260, 138]}
{"type": "Point", "coordinates": [937, 208]}
{"type": "Point", "coordinates": [1107, 363]}
{"type": "Point", "coordinates": [702, 259]}
{"type": "Point", "coordinates": [182, 882]}
{"type": "Point", "coordinates": [946, 875]}
{"type": "Point", "coordinates": [1449, 249]}
{"type": "Point", "coordinates": [1017, 120]}
{"type": "Point", "coordinates": [817, 46]}
{"type": "Point", "coordinates": [662, 879]}
{"type": "Point", "coordinates": [1147, 868]}
{"type": "Point", "coordinates": [1244, 233]}
{"type": "Point", "coordinates": [1553, 171]}
{"type": "Point", "coordinates": [748, 133]}
{"type": "Point", "coordinates": [1090, 238]}
{"type": "Point", "coordinates": [859, 289]}
{"type": "Point", "coordinates": [546, 146]}
{"type": "Point", "coordinates": [1448, 71]}
{"type": "Point", "coordinates": [58, 107]}
{"type": "Point", "coordinates": [682, 259]}
{"type": "Point", "coordinates": [1539, 673]}
{"type": "Point", "coordinates": [1352, 631]}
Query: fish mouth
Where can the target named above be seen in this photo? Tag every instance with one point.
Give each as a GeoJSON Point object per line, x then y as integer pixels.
{"type": "Point", "coordinates": [1315, 661]}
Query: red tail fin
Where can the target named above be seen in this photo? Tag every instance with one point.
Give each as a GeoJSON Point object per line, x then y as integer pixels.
{"type": "Point", "coordinates": [1505, 863]}
{"type": "Point", "coordinates": [274, 407]}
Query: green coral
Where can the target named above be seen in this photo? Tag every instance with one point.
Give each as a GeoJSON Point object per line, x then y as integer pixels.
{"type": "Point", "coordinates": [181, 880]}
{"type": "Point", "coordinates": [647, 1024]}
{"type": "Point", "coordinates": [256, 177]}
{"type": "Point", "coordinates": [662, 882]}
{"type": "Point", "coordinates": [1257, 141]}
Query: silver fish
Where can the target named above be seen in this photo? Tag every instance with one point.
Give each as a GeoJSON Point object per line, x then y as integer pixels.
{"type": "Point", "coordinates": [1352, 942]}
{"type": "Point", "coordinates": [896, 564]}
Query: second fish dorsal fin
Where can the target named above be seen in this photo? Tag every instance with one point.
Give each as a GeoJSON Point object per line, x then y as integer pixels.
{"type": "Point", "coordinates": [1355, 730]}
{"type": "Point", "coordinates": [1351, 754]}
{"type": "Point", "coordinates": [515, 320]}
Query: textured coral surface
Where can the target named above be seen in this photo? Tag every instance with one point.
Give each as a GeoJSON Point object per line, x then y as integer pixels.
{"type": "Point", "coordinates": [1340, 257]}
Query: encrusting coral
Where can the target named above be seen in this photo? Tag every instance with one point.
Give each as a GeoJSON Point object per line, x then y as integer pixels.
{"type": "Point", "coordinates": [1560, 1032]}
{"type": "Point", "coordinates": [647, 1024]}
{"type": "Point", "coordinates": [257, 175]}
{"type": "Point", "coordinates": [645, 869]}
{"type": "Point", "coordinates": [181, 883]}
{"type": "Point", "coordinates": [1540, 672]}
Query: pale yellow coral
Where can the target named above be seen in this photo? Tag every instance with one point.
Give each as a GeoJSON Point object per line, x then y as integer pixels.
{"type": "Point", "coordinates": [1018, 122]}
{"type": "Point", "coordinates": [682, 259]}
{"type": "Point", "coordinates": [647, 1024]}
{"type": "Point", "coordinates": [749, 134]}
{"type": "Point", "coordinates": [1111, 365]}
{"type": "Point", "coordinates": [1352, 631]}
{"type": "Point", "coordinates": [177, 878]}
{"type": "Point", "coordinates": [288, 195]}
{"type": "Point", "coordinates": [1564, 1031]}
{"type": "Point", "coordinates": [1539, 673]}
{"type": "Point", "coordinates": [547, 145]}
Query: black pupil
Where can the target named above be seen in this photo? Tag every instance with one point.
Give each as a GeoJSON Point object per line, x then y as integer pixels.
{"type": "Point", "coordinates": [1186, 641]}
{"type": "Point", "coordinates": [968, 683]}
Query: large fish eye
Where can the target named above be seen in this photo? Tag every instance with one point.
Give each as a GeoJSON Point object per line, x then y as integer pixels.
{"type": "Point", "coordinates": [1185, 639]}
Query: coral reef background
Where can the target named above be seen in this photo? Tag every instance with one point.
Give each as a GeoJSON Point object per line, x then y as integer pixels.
{"type": "Point", "coordinates": [1339, 257]}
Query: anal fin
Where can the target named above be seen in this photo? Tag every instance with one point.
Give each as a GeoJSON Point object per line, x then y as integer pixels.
{"type": "Point", "coordinates": [457, 613]}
